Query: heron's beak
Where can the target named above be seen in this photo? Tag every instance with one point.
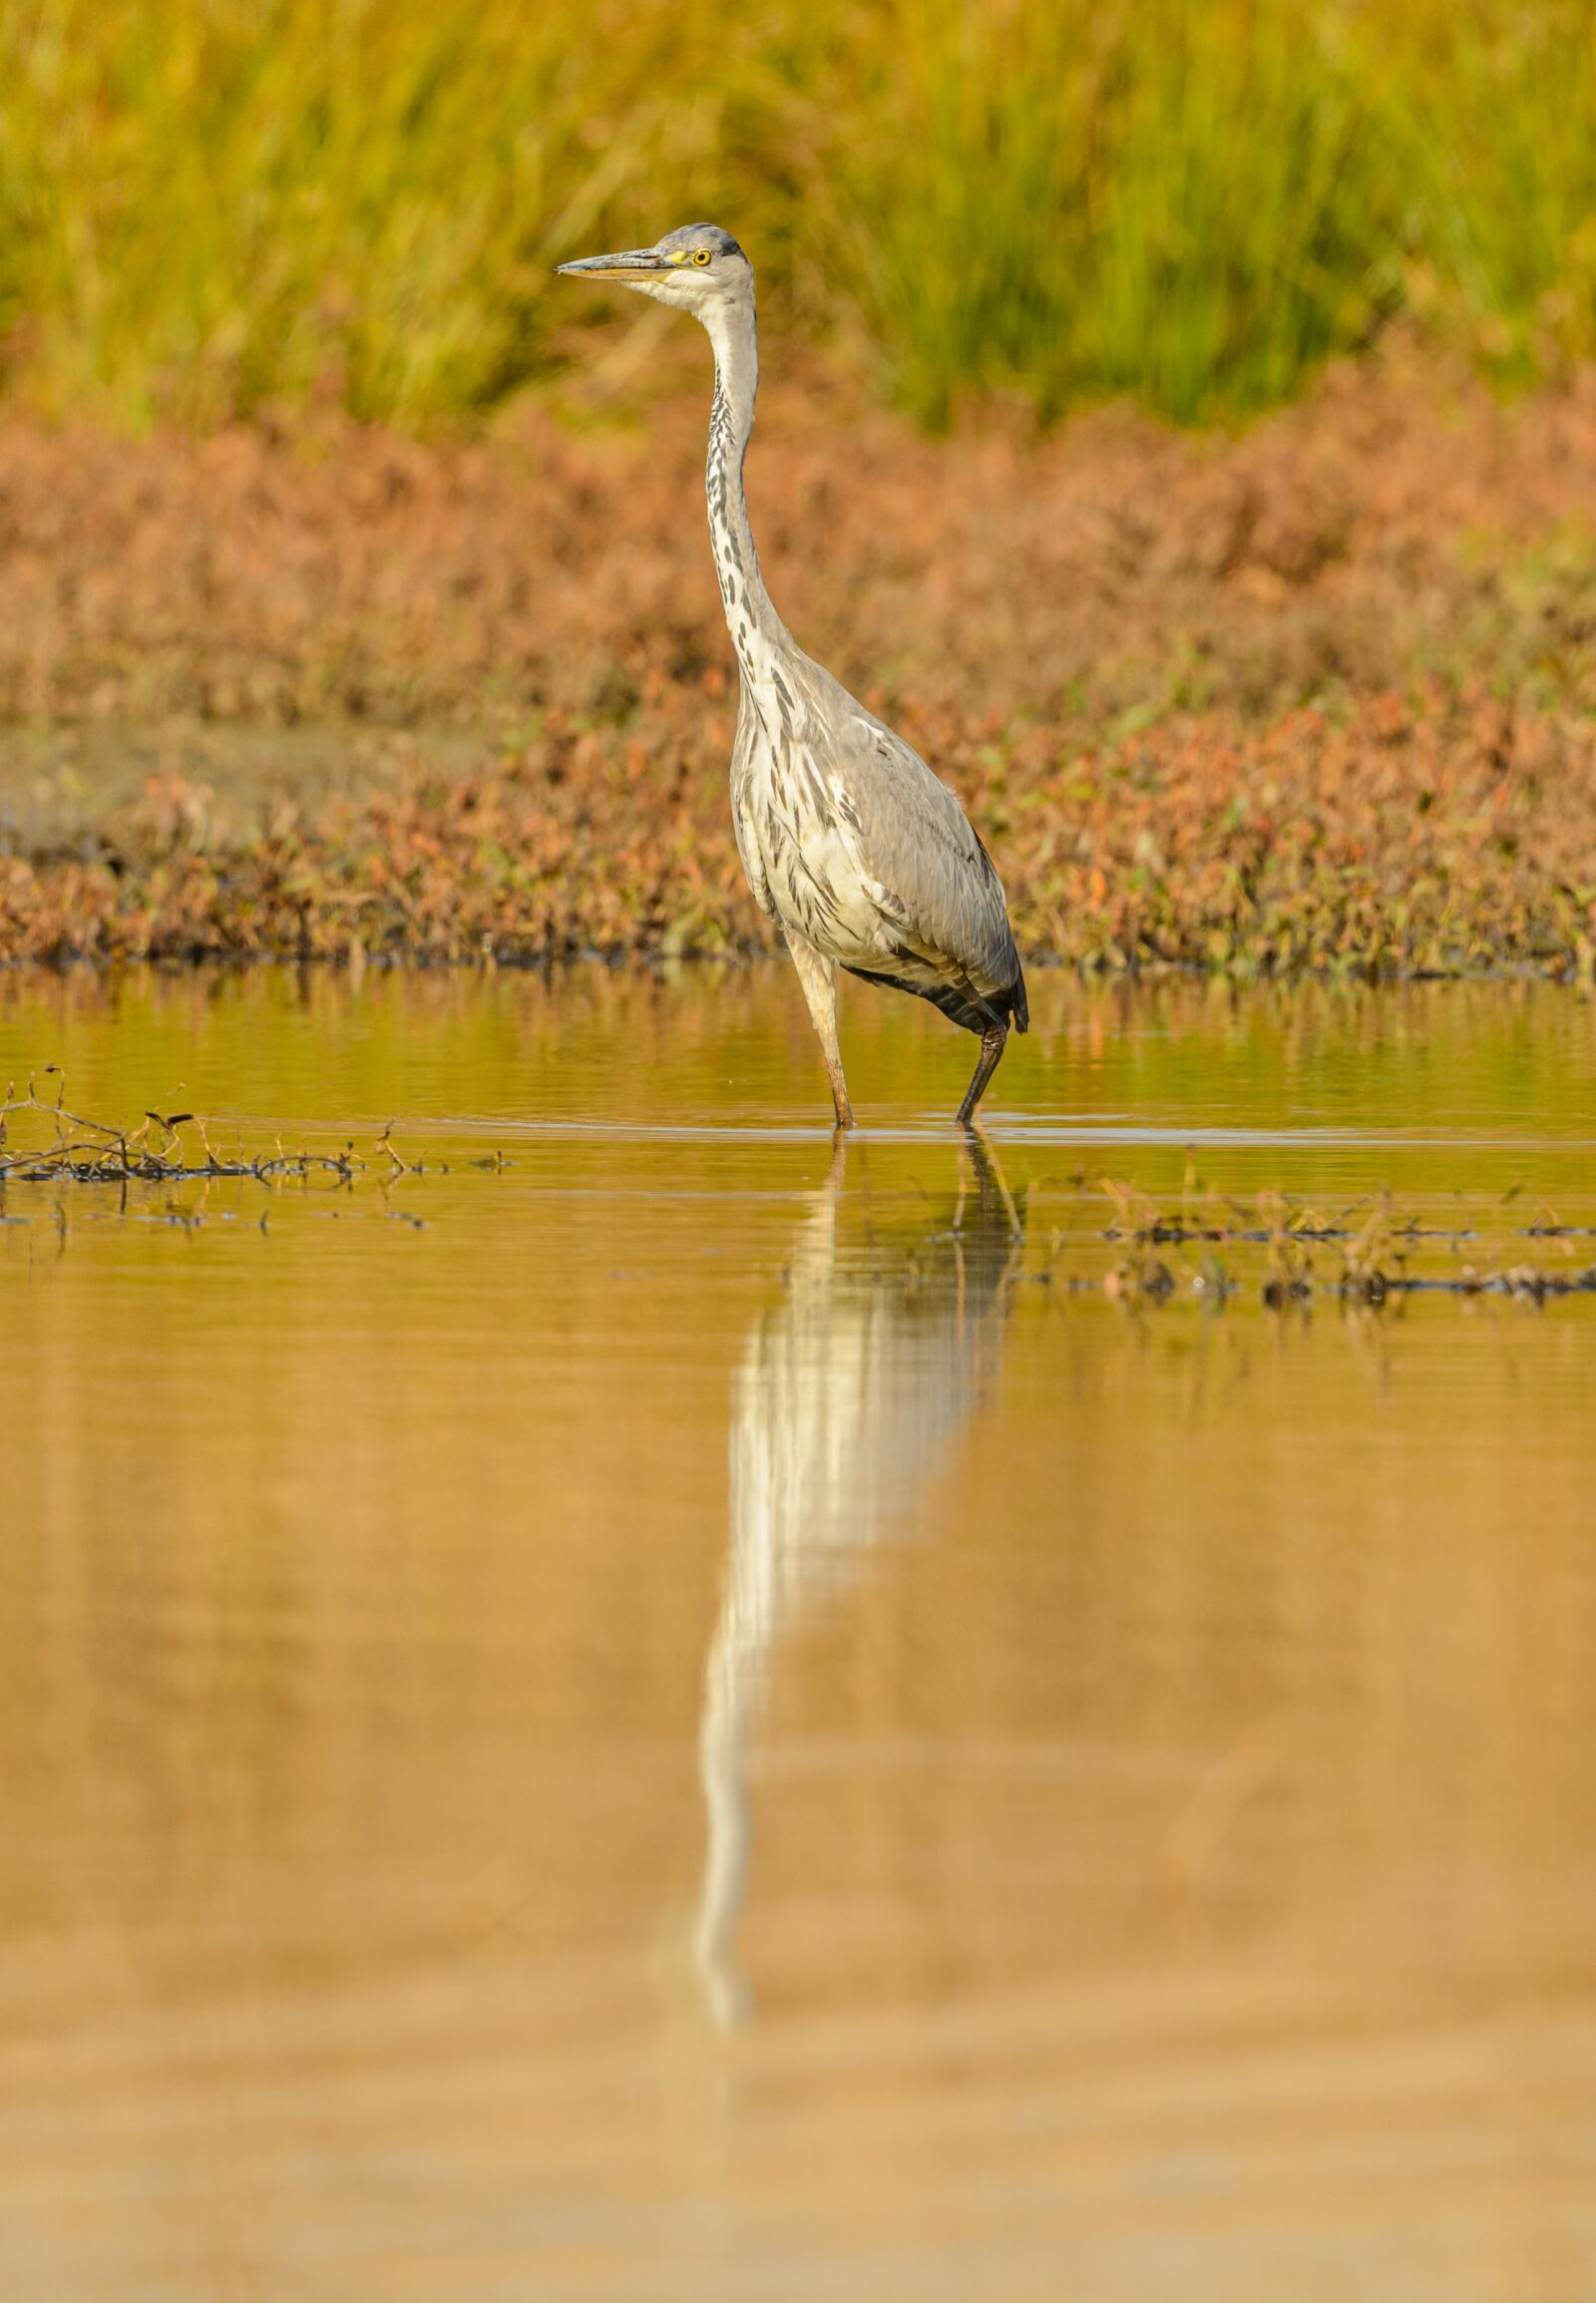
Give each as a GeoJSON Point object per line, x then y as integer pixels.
{"type": "Point", "coordinates": [626, 266]}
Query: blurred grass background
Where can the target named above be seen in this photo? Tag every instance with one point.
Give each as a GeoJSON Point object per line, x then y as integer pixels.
{"type": "Point", "coordinates": [210, 207]}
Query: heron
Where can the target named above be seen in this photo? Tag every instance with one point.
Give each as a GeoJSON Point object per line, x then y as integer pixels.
{"type": "Point", "coordinates": [863, 857]}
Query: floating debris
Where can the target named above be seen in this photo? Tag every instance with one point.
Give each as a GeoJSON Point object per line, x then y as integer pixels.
{"type": "Point", "coordinates": [1203, 1247]}
{"type": "Point", "coordinates": [75, 1149]}
{"type": "Point", "coordinates": [1365, 1254]}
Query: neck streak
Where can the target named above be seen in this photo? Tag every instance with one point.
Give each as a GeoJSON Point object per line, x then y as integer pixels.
{"type": "Point", "coordinates": [756, 630]}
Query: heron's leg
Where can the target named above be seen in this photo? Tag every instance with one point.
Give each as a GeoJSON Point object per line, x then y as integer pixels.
{"type": "Point", "coordinates": [819, 980]}
{"type": "Point", "coordinates": [992, 1049]}
{"type": "Point", "coordinates": [990, 1185]}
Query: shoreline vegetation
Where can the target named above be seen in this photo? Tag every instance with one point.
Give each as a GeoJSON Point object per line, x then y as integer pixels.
{"type": "Point", "coordinates": [353, 596]}
{"type": "Point", "coordinates": [1421, 837]}
{"type": "Point", "coordinates": [1321, 697]}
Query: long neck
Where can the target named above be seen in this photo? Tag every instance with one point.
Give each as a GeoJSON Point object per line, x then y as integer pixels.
{"type": "Point", "coordinates": [756, 630]}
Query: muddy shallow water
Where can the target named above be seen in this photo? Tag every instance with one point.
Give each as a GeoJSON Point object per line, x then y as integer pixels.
{"type": "Point", "coordinates": [683, 1718]}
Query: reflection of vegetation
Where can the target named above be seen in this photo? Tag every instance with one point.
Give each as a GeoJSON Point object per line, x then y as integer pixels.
{"type": "Point", "coordinates": [1389, 1084]}
{"type": "Point", "coordinates": [206, 207]}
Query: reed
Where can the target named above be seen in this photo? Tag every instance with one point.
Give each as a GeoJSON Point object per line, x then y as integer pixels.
{"type": "Point", "coordinates": [216, 206]}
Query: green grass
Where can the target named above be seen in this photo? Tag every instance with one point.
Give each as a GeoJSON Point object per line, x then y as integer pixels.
{"type": "Point", "coordinates": [214, 206]}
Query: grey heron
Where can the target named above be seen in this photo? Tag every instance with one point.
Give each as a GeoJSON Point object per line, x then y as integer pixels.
{"type": "Point", "coordinates": [860, 854]}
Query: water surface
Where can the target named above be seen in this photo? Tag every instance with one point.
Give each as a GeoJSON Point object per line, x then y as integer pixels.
{"type": "Point", "coordinates": [685, 1717]}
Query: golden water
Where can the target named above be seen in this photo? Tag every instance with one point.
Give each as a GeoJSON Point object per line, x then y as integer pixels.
{"type": "Point", "coordinates": [684, 1723]}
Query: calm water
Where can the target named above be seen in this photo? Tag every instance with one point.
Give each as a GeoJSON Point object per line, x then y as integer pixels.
{"type": "Point", "coordinates": [696, 1725]}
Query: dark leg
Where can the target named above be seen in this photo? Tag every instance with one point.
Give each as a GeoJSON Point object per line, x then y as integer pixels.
{"type": "Point", "coordinates": [992, 1049]}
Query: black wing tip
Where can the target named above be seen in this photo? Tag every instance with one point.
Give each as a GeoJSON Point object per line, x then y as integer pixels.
{"type": "Point", "coordinates": [965, 1006]}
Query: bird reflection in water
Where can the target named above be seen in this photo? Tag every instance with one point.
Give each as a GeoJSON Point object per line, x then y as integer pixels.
{"type": "Point", "coordinates": [850, 1399]}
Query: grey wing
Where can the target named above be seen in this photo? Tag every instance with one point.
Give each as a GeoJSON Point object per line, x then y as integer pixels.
{"type": "Point", "coordinates": [940, 887]}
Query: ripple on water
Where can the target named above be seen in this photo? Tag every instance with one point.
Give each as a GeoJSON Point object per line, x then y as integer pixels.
{"type": "Point", "coordinates": [689, 1721]}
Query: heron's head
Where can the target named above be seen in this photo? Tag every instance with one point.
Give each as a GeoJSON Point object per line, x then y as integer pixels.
{"type": "Point", "coordinates": [700, 268]}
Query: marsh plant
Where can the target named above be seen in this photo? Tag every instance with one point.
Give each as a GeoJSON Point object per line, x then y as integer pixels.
{"type": "Point", "coordinates": [212, 207]}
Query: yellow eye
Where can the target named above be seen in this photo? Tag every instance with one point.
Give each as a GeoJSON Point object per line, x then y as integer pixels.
{"type": "Point", "coordinates": [701, 255]}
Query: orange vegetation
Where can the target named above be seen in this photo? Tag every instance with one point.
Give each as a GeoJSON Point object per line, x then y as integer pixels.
{"type": "Point", "coordinates": [1322, 697]}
